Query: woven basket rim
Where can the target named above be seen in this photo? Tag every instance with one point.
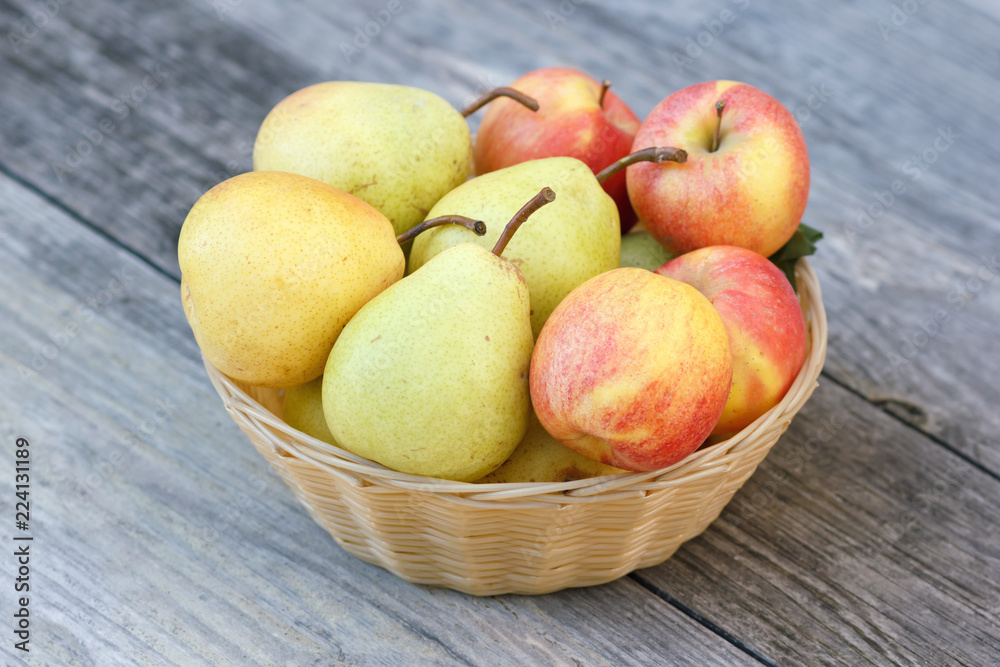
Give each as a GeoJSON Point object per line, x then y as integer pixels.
{"type": "Point", "coordinates": [361, 471]}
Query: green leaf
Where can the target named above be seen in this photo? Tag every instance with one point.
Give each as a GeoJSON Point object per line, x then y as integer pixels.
{"type": "Point", "coordinates": [802, 243]}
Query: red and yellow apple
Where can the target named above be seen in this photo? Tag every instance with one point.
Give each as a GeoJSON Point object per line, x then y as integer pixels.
{"type": "Point", "coordinates": [632, 369]}
{"type": "Point", "coordinates": [749, 190]}
{"type": "Point", "coordinates": [574, 119]}
{"type": "Point", "coordinates": [762, 316]}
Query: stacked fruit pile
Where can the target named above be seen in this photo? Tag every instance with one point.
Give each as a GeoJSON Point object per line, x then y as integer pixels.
{"type": "Point", "coordinates": [529, 339]}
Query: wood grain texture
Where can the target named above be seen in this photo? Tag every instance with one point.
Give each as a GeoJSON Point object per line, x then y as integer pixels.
{"type": "Point", "coordinates": [135, 568]}
{"type": "Point", "coordinates": [856, 541]}
{"type": "Point", "coordinates": [877, 102]}
{"type": "Point", "coordinates": [162, 537]}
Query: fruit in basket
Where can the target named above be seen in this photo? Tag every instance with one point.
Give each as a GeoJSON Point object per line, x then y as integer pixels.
{"type": "Point", "coordinates": [632, 369]}
{"type": "Point", "coordinates": [767, 332]}
{"type": "Point", "coordinates": [304, 410]}
{"type": "Point", "coordinates": [396, 147]}
{"type": "Point", "coordinates": [746, 179]}
{"type": "Point", "coordinates": [541, 458]}
{"type": "Point", "coordinates": [577, 117]}
{"type": "Point", "coordinates": [561, 246]}
{"type": "Point", "coordinates": [431, 376]}
{"type": "Point", "coordinates": [640, 250]}
{"type": "Point", "coordinates": [273, 265]}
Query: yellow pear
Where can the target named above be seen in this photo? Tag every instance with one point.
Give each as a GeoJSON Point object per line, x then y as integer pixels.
{"type": "Point", "coordinates": [398, 148]}
{"type": "Point", "coordinates": [560, 247]}
{"type": "Point", "coordinates": [431, 376]}
{"type": "Point", "coordinates": [304, 410]}
{"type": "Point", "coordinates": [541, 458]}
{"type": "Point", "coordinates": [273, 265]}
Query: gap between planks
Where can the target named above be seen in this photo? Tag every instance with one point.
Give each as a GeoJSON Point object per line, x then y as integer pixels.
{"type": "Point", "coordinates": [17, 178]}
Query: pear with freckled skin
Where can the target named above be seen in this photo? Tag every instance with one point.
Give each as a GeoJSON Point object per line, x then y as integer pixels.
{"type": "Point", "coordinates": [273, 265]}
{"type": "Point", "coordinates": [304, 410]}
{"type": "Point", "coordinates": [398, 148]}
{"type": "Point", "coordinates": [541, 458]}
{"type": "Point", "coordinates": [561, 246]}
{"type": "Point", "coordinates": [431, 377]}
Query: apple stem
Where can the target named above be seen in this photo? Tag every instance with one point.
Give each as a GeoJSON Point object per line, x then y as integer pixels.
{"type": "Point", "coordinates": [719, 106]}
{"type": "Point", "coordinates": [604, 91]}
{"type": "Point", "coordinates": [652, 154]}
{"type": "Point", "coordinates": [545, 196]}
{"type": "Point", "coordinates": [477, 226]}
{"type": "Point", "coordinates": [491, 95]}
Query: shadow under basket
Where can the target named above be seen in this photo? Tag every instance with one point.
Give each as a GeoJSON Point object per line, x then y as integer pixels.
{"type": "Point", "coordinates": [489, 539]}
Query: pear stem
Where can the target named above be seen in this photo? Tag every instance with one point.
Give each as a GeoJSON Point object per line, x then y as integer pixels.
{"type": "Point", "coordinates": [544, 197]}
{"type": "Point", "coordinates": [652, 154]}
{"type": "Point", "coordinates": [491, 95]}
{"type": "Point", "coordinates": [604, 91]}
{"type": "Point", "coordinates": [477, 226]}
{"type": "Point", "coordinates": [719, 106]}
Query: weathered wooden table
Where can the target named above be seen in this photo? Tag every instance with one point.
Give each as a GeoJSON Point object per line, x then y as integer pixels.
{"type": "Point", "coordinates": [870, 533]}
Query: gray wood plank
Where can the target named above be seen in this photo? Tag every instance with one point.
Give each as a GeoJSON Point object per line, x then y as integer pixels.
{"type": "Point", "coordinates": [856, 541]}
{"type": "Point", "coordinates": [889, 97]}
{"type": "Point", "coordinates": [135, 113]}
{"type": "Point", "coordinates": [162, 537]}
{"type": "Point", "coordinates": [225, 64]}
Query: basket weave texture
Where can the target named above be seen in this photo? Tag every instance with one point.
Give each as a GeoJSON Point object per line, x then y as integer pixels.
{"type": "Point", "coordinates": [490, 539]}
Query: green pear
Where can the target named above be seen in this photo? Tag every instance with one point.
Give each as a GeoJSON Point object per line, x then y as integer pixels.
{"type": "Point", "coordinates": [641, 251]}
{"type": "Point", "coordinates": [396, 147]}
{"type": "Point", "coordinates": [541, 458]}
{"type": "Point", "coordinates": [273, 265]}
{"type": "Point", "coordinates": [431, 376]}
{"type": "Point", "coordinates": [560, 247]}
{"type": "Point", "coordinates": [304, 410]}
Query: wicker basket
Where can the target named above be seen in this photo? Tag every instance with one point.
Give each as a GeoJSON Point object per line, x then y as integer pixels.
{"type": "Point", "coordinates": [488, 539]}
